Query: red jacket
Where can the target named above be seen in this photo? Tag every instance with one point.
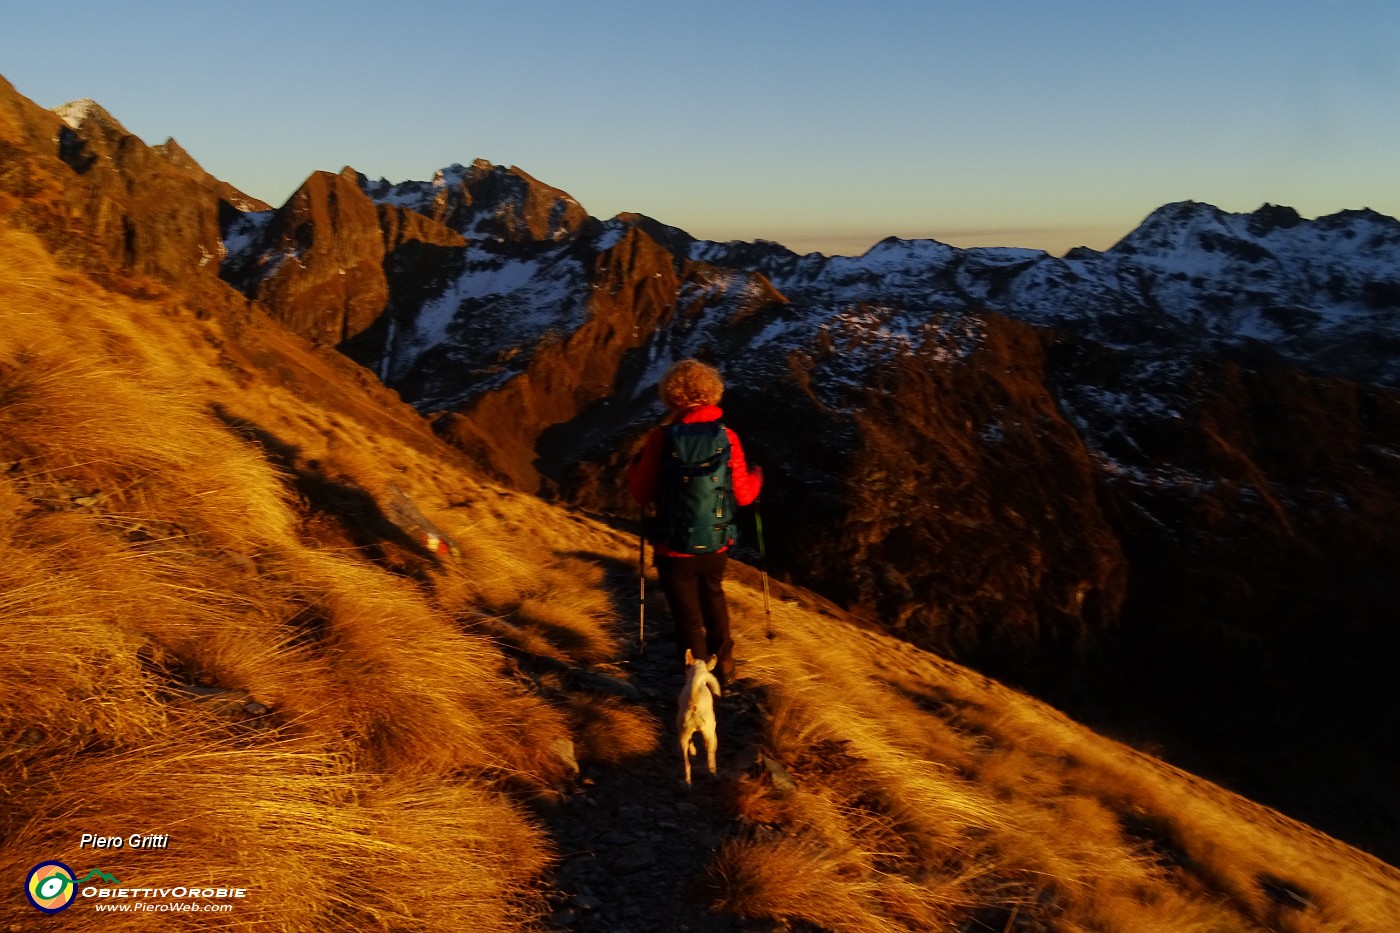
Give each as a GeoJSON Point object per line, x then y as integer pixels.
{"type": "Point", "coordinates": [644, 472]}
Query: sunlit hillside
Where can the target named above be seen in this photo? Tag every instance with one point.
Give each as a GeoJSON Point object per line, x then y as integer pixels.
{"type": "Point", "coordinates": [222, 619]}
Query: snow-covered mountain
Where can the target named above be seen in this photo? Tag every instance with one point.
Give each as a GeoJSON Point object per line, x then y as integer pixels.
{"type": "Point", "coordinates": [1323, 295]}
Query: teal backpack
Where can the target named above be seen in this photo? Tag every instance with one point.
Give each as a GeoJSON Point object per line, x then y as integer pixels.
{"type": "Point", "coordinates": [695, 508]}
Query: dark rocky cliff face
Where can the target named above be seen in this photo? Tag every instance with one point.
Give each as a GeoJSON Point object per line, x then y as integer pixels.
{"type": "Point", "coordinates": [1265, 570]}
{"type": "Point", "coordinates": [102, 197]}
{"type": "Point", "coordinates": [319, 261]}
{"type": "Point", "coordinates": [975, 469]}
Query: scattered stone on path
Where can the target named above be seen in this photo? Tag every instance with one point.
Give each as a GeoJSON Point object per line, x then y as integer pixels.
{"type": "Point", "coordinates": [585, 902]}
{"type": "Point", "coordinates": [564, 751]}
{"type": "Point", "coordinates": [636, 856]}
{"type": "Point", "coordinates": [782, 781]}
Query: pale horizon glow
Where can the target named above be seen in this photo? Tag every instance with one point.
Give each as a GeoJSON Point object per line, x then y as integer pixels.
{"type": "Point", "coordinates": [820, 125]}
{"type": "Point", "coordinates": [836, 241]}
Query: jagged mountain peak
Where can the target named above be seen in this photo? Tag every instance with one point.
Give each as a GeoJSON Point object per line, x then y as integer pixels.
{"type": "Point", "coordinates": [487, 201]}
{"type": "Point", "coordinates": [675, 239]}
{"type": "Point", "coordinates": [149, 210]}
{"type": "Point", "coordinates": [1270, 217]}
{"type": "Point", "coordinates": [1362, 215]}
{"type": "Point", "coordinates": [177, 155]}
{"type": "Point", "coordinates": [1370, 233]}
{"type": "Point", "coordinates": [78, 114]}
{"type": "Point", "coordinates": [895, 243]}
{"type": "Point", "coordinates": [1169, 227]}
{"type": "Point", "coordinates": [1185, 226]}
{"type": "Point", "coordinates": [929, 250]}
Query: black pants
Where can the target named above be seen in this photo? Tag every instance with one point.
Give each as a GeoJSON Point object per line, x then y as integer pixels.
{"type": "Point", "coordinates": [694, 588]}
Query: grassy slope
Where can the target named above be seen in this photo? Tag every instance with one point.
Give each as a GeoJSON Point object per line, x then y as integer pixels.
{"type": "Point", "coordinates": [190, 502]}
{"type": "Point", "coordinates": [160, 531]}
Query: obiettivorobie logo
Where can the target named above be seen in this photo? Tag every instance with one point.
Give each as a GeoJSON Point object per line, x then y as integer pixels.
{"type": "Point", "coordinates": [51, 886]}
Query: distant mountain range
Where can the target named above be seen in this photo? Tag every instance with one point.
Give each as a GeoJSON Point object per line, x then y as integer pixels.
{"type": "Point", "coordinates": [1267, 287]}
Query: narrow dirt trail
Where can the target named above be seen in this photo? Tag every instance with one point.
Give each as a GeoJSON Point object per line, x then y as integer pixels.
{"type": "Point", "coordinates": [634, 842]}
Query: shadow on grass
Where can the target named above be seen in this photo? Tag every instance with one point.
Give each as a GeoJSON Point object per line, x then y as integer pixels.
{"type": "Point", "coordinates": [354, 511]}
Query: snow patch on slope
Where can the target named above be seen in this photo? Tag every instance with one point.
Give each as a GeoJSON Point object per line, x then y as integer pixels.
{"type": "Point", "coordinates": [77, 112]}
{"type": "Point", "coordinates": [498, 306]}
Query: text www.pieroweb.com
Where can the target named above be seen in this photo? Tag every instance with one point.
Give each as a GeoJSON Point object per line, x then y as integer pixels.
{"type": "Point", "coordinates": [164, 907]}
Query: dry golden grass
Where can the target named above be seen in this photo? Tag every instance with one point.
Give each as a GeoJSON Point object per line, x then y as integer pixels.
{"type": "Point", "coordinates": [913, 774]}
{"type": "Point", "coordinates": [318, 845]}
{"type": "Point", "coordinates": [607, 730]}
{"type": "Point", "coordinates": [807, 876]}
{"type": "Point", "coordinates": [166, 532]}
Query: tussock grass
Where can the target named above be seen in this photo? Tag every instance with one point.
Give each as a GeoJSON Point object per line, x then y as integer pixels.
{"type": "Point", "coordinates": [916, 779]}
{"type": "Point", "coordinates": [317, 844]}
{"type": "Point", "coordinates": [577, 632]}
{"type": "Point", "coordinates": [1221, 850]}
{"type": "Point", "coordinates": [186, 648]}
{"type": "Point", "coordinates": [68, 675]}
{"type": "Point", "coordinates": [609, 731]}
{"type": "Point", "coordinates": [902, 834]}
{"type": "Point", "coordinates": [803, 876]}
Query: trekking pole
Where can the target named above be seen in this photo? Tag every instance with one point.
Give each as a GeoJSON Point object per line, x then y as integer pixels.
{"type": "Point", "coordinates": [642, 584]}
{"type": "Point", "coordinates": [763, 566]}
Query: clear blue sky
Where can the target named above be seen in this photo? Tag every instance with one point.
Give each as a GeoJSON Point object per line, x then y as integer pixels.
{"type": "Point", "coordinates": [822, 125]}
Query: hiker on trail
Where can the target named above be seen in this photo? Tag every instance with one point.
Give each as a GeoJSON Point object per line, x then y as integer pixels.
{"type": "Point", "coordinates": [692, 468]}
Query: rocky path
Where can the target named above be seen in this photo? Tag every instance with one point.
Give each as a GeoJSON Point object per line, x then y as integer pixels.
{"type": "Point", "coordinates": [634, 841]}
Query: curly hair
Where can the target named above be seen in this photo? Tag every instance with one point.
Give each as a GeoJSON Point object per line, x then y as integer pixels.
{"type": "Point", "coordinates": [690, 384]}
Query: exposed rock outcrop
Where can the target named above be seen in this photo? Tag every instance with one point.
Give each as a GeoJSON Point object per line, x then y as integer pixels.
{"type": "Point", "coordinates": [319, 261]}
{"type": "Point", "coordinates": [638, 289]}
{"type": "Point", "coordinates": [485, 200]}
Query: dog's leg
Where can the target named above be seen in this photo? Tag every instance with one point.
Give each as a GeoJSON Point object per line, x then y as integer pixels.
{"type": "Point", "coordinates": [687, 746]}
{"type": "Point", "coordinates": [711, 744]}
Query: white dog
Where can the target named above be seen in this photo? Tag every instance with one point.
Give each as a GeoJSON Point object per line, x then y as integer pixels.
{"type": "Point", "coordinates": [697, 710]}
